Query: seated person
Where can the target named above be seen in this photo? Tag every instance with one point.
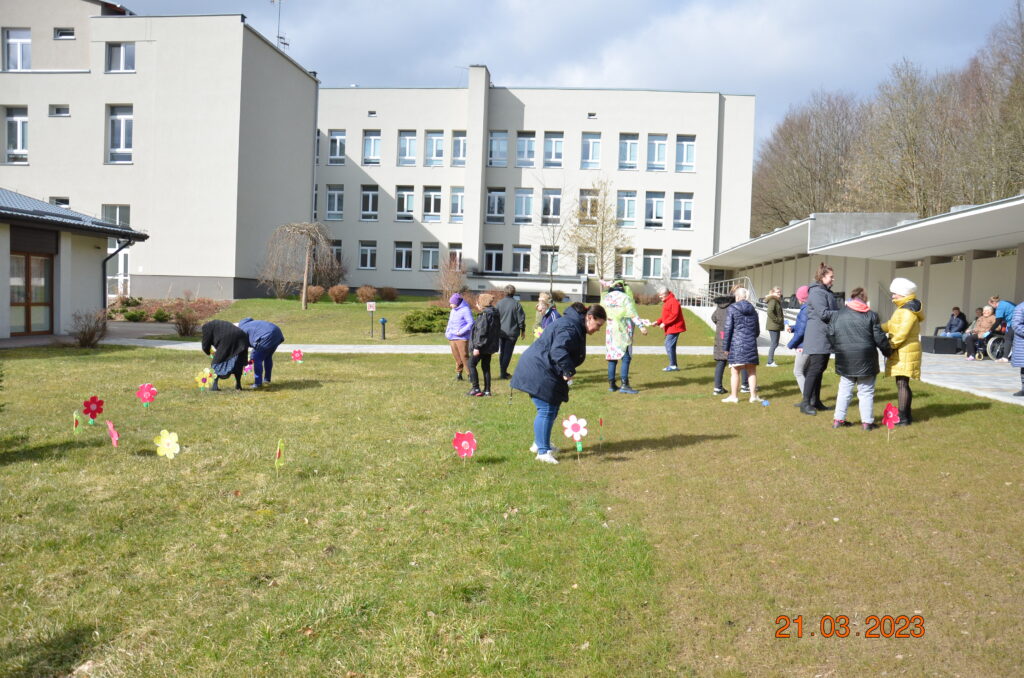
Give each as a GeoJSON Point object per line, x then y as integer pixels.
{"type": "Point", "coordinates": [982, 328]}
{"type": "Point", "coordinates": [977, 314]}
{"type": "Point", "coordinates": [956, 325]}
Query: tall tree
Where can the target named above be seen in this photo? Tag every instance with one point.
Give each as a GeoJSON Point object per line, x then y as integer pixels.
{"type": "Point", "coordinates": [594, 227]}
{"type": "Point", "coordinates": [296, 254]}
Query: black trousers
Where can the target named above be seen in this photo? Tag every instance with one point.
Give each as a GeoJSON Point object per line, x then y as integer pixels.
{"type": "Point", "coordinates": [505, 346]}
{"type": "Point", "coordinates": [817, 363]}
{"type": "Point", "coordinates": [484, 360]}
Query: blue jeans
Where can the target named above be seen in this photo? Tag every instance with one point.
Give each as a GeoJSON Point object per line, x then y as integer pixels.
{"type": "Point", "coordinates": [263, 361]}
{"type": "Point", "coordinates": [543, 423]}
{"type": "Point", "coordinates": [624, 373]}
{"type": "Point", "coordinates": [670, 348]}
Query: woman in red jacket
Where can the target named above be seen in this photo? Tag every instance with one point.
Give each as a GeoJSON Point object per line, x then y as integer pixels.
{"type": "Point", "coordinates": [672, 321]}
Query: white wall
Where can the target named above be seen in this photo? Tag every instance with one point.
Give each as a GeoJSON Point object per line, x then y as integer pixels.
{"type": "Point", "coordinates": [78, 278]}
{"type": "Point", "coordinates": [5, 281]}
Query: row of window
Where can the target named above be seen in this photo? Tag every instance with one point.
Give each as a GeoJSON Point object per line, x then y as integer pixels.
{"type": "Point", "coordinates": [523, 206]}
{"type": "Point", "coordinates": [120, 129]}
{"type": "Point", "coordinates": [17, 48]}
{"type": "Point", "coordinates": [522, 258]}
{"type": "Point", "coordinates": [656, 159]}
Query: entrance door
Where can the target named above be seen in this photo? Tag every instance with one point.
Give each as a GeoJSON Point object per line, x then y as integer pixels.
{"type": "Point", "coordinates": [31, 293]}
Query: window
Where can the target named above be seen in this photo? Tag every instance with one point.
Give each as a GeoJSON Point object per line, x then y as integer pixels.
{"type": "Point", "coordinates": [521, 259]}
{"type": "Point", "coordinates": [655, 215]}
{"type": "Point", "coordinates": [17, 49]}
{"type": "Point", "coordinates": [369, 208]}
{"type": "Point", "coordinates": [60, 111]}
{"type": "Point", "coordinates": [371, 146]}
{"type": "Point", "coordinates": [336, 149]}
{"type": "Point", "coordinates": [63, 33]}
{"type": "Point", "coordinates": [552, 208]}
{"type": "Point", "coordinates": [625, 209]}
{"type": "Point", "coordinates": [458, 149]}
{"type": "Point", "coordinates": [495, 206]}
{"type": "Point", "coordinates": [122, 125]}
{"type": "Point", "coordinates": [497, 149]}
{"type": "Point", "coordinates": [17, 135]}
{"type": "Point", "coordinates": [652, 263]}
{"type": "Point", "coordinates": [406, 148]}
{"type": "Point", "coordinates": [629, 150]}
{"type": "Point", "coordinates": [430, 256]}
{"type": "Point", "coordinates": [455, 253]}
{"type": "Point", "coordinates": [435, 149]}
{"type": "Point", "coordinates": [656, 144]}
{"type": "Point", "coordinates": [553, 149]}
{"type": "Point", "coordinates": [61, 202]}
{"type": "Point", "coordinates": [492, 258]}
{"type": "Point", "coordinates": [432, 203]}
{"type": "Point", "coordinates": [316, 200]}
{"type": "Point", "coordinates": [120, 57]}
{"type": "Point", "coordinates": [682, 210]}
{"type": "Point", "coordinates": [368, 254]}
{"type": "Point", "coordinates": [404, 205]}
{"type": "Point", "coordinates": [458, 206]}
{"type": "Point", "coordinates": [336, 251]}
{"type": "Point", "coordinates": [526, 150]}
{"type": "Point", "coordinates": [624, 263]}
{"type": "Point", "coordinates": [403, 256]}
{"type": "Point", "coordinates": [548, 259]}
{"type": "Point", "coordinates": [588, 206]}
{"type": "Point", "coordinates": [524, 206]}
{"type": "Point", "coordinates": [335, 201]}
{"type": "Point", "coordinates": [591, 153]}
{"type": "Point", "coordinates": [686, 153]}
{"type": "Point", "coordinates": [586, 261]}
{"type": "Point", "coordinates": [681, 264]}
{"type": "Point", "coordinates": [117, 214]}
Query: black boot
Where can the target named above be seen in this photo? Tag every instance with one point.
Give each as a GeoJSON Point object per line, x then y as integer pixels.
{"type": "Point", "coordinates": [904, 419]}
{"type": "Point", "coordinates": [807, 409]}
{"type": "Point", "coordinates": [215, 387]}
{"type": "Point", "coordinates": [612, 386]}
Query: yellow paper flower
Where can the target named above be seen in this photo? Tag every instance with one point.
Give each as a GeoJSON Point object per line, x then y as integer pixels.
{"type": "Point", "coordinates": [167, 444]}
{"type": "Point", "coordinates": [204, 379]}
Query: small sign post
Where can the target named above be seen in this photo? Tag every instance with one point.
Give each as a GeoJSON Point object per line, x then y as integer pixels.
{"type": "Point", "coordinates": [371, 306]}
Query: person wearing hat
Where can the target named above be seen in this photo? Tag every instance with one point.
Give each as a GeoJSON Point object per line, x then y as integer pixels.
{"type": "Point", "coordinates": [618, 333]}
{"type": "Point", "coordinates": [483, 343]}
{"type": "Point", "coordinates": [798, 328]}
{"type": "Point", "coordinates": [458, 332]}
{"type": "Point", "coordinates": [904, 329]}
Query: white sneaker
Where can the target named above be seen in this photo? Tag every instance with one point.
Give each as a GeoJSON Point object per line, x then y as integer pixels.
{"type": "Point", "coordinates": [533, 448]}
{"type": "Point", "coordinates": [773, 364]}
{"type": "Point", "coordinates": [547, 458]}
{"type": "Point", "coordinates": [730, 399]}
{"type": "Point", "coordinates": [754, 398]}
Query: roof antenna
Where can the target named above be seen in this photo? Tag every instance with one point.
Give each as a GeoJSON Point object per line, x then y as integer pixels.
{"type": "Point", "coordinates": [282, 42]}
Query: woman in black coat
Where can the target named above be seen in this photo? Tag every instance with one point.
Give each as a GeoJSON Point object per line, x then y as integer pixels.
{"type": "Point", "coordinates": [232, 351]}
{"type": "Point", "coordinates": [857, 337]}
{"type": "Point", "coordinates": [739, 340]}
{"type": "Point", "coordinates": [821, 306]}
{"type": "Point", "coordinates": [483, 343]}
{"type": "Point", "coordinates": [548, 364]}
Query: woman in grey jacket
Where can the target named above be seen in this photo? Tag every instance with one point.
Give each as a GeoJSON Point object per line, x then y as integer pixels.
{"type": "Point", "coordinates": [821, 306]}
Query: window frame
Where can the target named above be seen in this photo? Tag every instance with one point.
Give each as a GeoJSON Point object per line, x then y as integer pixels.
{"type": "Point", "coordinates": [367, 255]}
{"type": "Point", "coordinates": [679, 210]}
{"type": "Point", "coordinates": [521, 258]}
{"type": "Point", "coordinates": [369, 195]}
{"type": "Point", "coordinates": [496, 201]}
{"type": "Point", "coordinates": [24, 49]}
{"type": "Point", "coordinates": [654, 209]}
{"type": "Point", "coordinates": [554, 149]}
{"type": "Point", "coordinates": [405, 203]}
{"type": "Point", "coordinates": [652, 263]}
{"type": "Point", "coordinates": [657, 146]}
{"type": "Point", "coordinates": [336, 141]}
{"type": "Point", "coordinates": [407, 143]}
{"type": "Point", "coordinates": [623, 257]}
{"type": "Point", "coordinates": [524, 199]}
{"type": "Point", "coordinates": [433, 148]}
{"type": "Point", "coordinates": [371, 148]}
{"type": "Point", "coordinates": [549, 259]}
{"type": "Point", "coordinates": [497, 148]}
{"type": "Point", "coordinates": [586, 262]}
{"type": "Point", "coordinates": [126, 124]}
{"type": "Point", "coordinates": [625, 199]}
{"type": "Point", "coordinates": [428, 248]}
{"type": "Point", "coordinates": [453, 202]}
{"type": "Point", "coordinates": [629, 144]}
{"type": "Point", "coordinates": [493, 258]}
{"type": "Point", "coordinates": [125, 52]}
{"type": "Point", "coordinates": [681, 256]}
{"type": "Point", "coordinates": [551, 206]}
{"type": "Point", "coordinates": [459, 148]}
{"type": "Point", "coordinates": [403, 255]}
{"type": "Point", "coordinates": [16, 153]}
{"type": "Point", "coordinates": [432, 201]}
{"type": "Point", "coordinates": [526, 149]}
{"type": "Point", "coordinates": [336, 194]}
{"type": "Point", "coordinates": [590, 151]}
{"type": "Point", "coordinates": [686, 142]}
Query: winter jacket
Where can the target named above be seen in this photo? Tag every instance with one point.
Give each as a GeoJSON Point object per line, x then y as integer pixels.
{"type": "Point", "coordinates": [821, 306]}
{"type": "Point", "coordinates": [799, 327]}
{"type": "Point", "coordinates": [513, 318]}
{"type": "Point", "coordinates": [857, 338]}
{"type": "Point", "coordinates": [776, 319]}
{"type": "Point", "coordinates": [261, 333]}
{"type": "Point", "coordinates": [1004, 312]}
{"type": "Point", "coordinates": [957, 323]}
{"type": "Point", "coordinates": [486, 330]}
{"type": "Point", "coordinates": [550, 316]}
{"type": "Point", "coordinates": [231, 344]}
{"type": "Point", "coordinates": [671, 315]}
{"type": "Point", "coordinates": [460, 323]}
{"type": "Point", "coordinates": [622, 317]}
{"type": "Point", "coordinates": [739, 336]}
{"type": "Point", "coordinates": [904, 328]}
{"type": "Point", "coordinates": [1017, 327]}
{"type": "Point", "coordinates": [982, 325]}
{"type": "Point", "coordinates": [718, 318]}
{"type": "Point", "coordinates": [556, 354]}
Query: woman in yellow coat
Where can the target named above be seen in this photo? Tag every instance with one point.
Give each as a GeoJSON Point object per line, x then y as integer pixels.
{"type": "Point", "coordinates": [904, 329]}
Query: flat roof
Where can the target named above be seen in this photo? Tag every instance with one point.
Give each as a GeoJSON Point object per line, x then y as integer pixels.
{"type": "Point", "coordinates": [787, 241]}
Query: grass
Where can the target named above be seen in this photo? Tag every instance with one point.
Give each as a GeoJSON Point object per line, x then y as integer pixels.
{"type": "Point", "coordinates": [685, 530]}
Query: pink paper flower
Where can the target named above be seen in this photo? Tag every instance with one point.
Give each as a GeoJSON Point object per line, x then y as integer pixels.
{"type": "Point", "coordinates": [464, 444]}
{"type": "Point", "coordinates": [297, 355]}
{"type": "Point", "coordinates": [112, 432]}
{"type": "Point", "coordinates": [575, 428]}
{"type": "Point", "coordinates": [891, 416]}
{"type": "Point", "coordinates": [146, 393]}
{"type": "Point", "coordinates": [92, 407]}
{"type": "Point", "coordinates": [248, 368]}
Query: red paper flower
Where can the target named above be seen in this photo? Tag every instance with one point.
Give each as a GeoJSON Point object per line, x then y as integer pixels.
{"type": "Point", "coordinates": [297, 355]}
{"type": "Point", "coordinates": [112, 432]}
{"type": "Point", "coordinates": [146, 393]}
{"type": "Point", "coordinates": [891, 416]}
{"type": "Point", "coordinates": [92, 407]}
{"type": "Point", "coordinates": [464, 444]}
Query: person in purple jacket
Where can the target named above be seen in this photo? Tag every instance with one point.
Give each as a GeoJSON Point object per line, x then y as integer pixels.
{"type": "Point", "coordinates": [458, 332]}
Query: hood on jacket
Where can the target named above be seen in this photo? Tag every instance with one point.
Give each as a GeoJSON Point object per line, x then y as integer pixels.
{"type": "Point", "coordinates": [724, 302]}
{"type": "Point", "coordinates": [857, 305]}
{"type": "Point", "coordinates": [910, 303]}
{"type": "Point", "coordinates": [744, 307]}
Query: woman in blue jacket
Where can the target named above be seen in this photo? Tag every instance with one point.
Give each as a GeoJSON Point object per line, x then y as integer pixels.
{"type": "Point", "coordinates": [264, 337]}
{"type": "Point", "coordinates": [1016, 329]}
{"type": "Point", "coordinates": [548, 364]}
{"type": "Point", "coordinates": [739, 339]}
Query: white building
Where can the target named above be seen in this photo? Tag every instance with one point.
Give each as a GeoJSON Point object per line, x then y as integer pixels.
{"type": "Point", "coordinates": [194, 129]}
{"type": "Point", "coordinates": [407, 177]}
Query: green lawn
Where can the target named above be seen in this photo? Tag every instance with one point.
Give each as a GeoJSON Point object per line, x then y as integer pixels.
{"type": "Point", "coordinates": [686, 528]}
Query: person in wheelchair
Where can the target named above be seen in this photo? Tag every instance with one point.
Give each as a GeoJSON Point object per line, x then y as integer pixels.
{"type": "Point", "coordinates": [980, 331]}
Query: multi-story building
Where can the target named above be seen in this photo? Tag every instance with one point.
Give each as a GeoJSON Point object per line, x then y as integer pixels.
{"type": "Point", "coordinates": [193, 129]}
{"type": "Point", "coordinates": [409, 177]}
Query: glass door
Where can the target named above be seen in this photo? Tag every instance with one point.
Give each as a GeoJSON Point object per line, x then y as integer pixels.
{"type": "Point", "coordinates": [31, 293]}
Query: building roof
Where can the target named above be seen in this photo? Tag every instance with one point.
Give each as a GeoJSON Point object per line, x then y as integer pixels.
{"type": "Point", "coordinates": [788, 241]}
{"type": "Point", "coordinates": [20, 209]}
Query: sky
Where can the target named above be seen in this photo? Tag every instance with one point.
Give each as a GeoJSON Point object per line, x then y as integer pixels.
{"type": "Point", "coordinates": [781, 51]}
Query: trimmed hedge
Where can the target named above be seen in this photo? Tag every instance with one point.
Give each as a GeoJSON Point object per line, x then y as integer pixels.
{"type": "Point", "coordinates": [423, 320]}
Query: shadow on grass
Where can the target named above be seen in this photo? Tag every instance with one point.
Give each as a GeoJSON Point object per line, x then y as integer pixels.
{"type": "Point", "coordinates": [293, 385]}
{"type": "Point", "coordinates": [11, 451]}
{"type": "Point", "coordinates": [938, 410]}
{"type": "Point", "coordinates": [682, 381]}
{"type": "Point", "coordinates": [489, 460]}
{"type": "Point", "coordinates": [56, 655]}
{"type": "Point", "coordinates": [666, 443]}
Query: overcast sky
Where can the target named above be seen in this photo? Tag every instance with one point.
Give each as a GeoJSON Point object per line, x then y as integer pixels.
{"type": "Point", "coordinates": [778, 50]}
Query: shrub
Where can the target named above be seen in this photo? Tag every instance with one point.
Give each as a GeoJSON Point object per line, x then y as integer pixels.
{"type": "Point", "coordinates": [647, 299]}
{"type": "Point", "coordinates": [161, 316]}
{"type": "Point", "coordinates": [338, 293]}
{"type": "Point", "coordinates": [313, 293]}
{"type": "Point", "coordinates": [388, 294]}
{"type": "Point", "coordinates": [186, 322]}
{"type": "Point", "coordinates": [126, 302]}
{"type": "Point", "coordinates": [135, 316]}
{"type": "Point", "coordinates": [88, 327]}
{"type": "Point", "coordinates": [557, 295]}
{"type": "Point", "coordinates": [421, 320]}
{"type": "Point", "coordinates": [366, 293]}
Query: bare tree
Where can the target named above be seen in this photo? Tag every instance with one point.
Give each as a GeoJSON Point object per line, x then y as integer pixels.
{"type": "Point", "coordinates": [450, 278]}
{"type": "Point", "coordinates": [296, 254]}
{"type": "Point", "coordinates": [552, 234]}
{"type": "Point", "coordinates": [594, 227]}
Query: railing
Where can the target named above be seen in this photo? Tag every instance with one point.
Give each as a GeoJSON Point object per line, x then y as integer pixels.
{"type": "Point", "coordinates": [706, 295]}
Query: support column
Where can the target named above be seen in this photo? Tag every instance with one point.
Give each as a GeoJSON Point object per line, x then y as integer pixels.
{"type": "Point", "coordinates": [478, 94]}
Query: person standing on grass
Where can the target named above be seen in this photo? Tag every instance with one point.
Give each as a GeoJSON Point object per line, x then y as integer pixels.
{"type": "Point", "coordinates": [547, 366]}
{"type": "Point", "coordinates": [264, 338]}
{"type": "Point", "coordinates": [857, 337]}
{"type": "Point", "coordinates": [775, 322]}
{"type": "Point", "coordinates": [231, 351]}
{"type": "Point", "coordinates": [904, 329]}
{"type": "Point", "coordinates": [821, 306]}
{"type": "Point", "coordinates": [671, 320]}
{"type": "Point", "coordinates": [1017, 330]}
{"type": "Point", "coordinates": [618, 334]}
{"type": "Point", "coordinates": [483, 343]}
{"type": "Point", "coordinates": [721, 353]}
{"type": "Point", "coordinates": [739, 338]}
{"type": "Point", "coordinates": [513, 328]}
{"type": "Point", "coordinates": [460, 328]}
{"type": "Point", "coordinates": [546, 311]}
{"type": "Point", "coordinates": [798, 328]}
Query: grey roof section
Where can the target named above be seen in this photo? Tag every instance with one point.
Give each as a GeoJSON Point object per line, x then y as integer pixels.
{"type": "Point", "coordinates": [21, 208]}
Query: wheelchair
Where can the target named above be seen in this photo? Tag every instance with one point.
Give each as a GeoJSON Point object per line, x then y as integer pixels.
{"type": "Point", "coordinates": [993, 346]}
